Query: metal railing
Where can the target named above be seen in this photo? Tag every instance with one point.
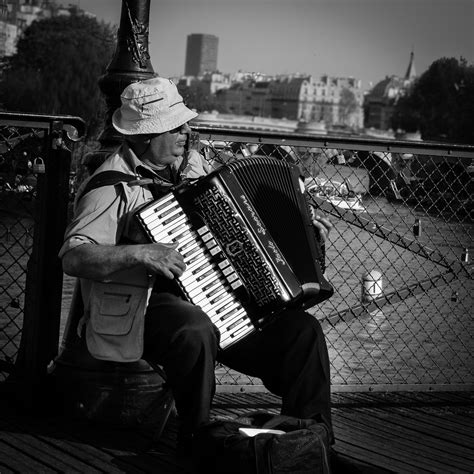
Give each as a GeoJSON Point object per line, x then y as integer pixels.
{"type": "Point", "coordinates": [398, 256]}
{"type": "Point", "coordinates": [402, 209]}
{"type": "Point", "coordinates": [34, 195]}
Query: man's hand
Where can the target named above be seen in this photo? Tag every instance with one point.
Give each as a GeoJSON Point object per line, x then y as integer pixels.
{"type": "Point", "coordinates": [321, 223]}
{"type": "Point", "coordinates": [161, 259]}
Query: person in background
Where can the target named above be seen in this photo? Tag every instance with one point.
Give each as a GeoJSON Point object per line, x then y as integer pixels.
{"type": "Point", "coordinates": [132, 306]}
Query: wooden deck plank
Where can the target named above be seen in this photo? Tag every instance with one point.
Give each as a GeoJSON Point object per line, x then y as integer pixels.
{"type": "Point", "coordinates": [404, 426]}
{"type": "Point", "coordinates": [391, 455]}
{"type": "Point", "coordinates": [357, 448]}
{"type": "Point", "coordinates": [69, 441]}
{"type": "Point", "coordinates": [425, 425]}
{"type": "Point", "coordinates": [429, 450]}
{"type": "Point", "coordinates": [352, 451]}
{"type": "Point", "coordinates": [382, 432]}
{"type": "Point", "coordinates": [45, 454]}
{"type": "Point", "coordinates": [19, 462]}
{"type": "Point", "coordinates": [424, 442]}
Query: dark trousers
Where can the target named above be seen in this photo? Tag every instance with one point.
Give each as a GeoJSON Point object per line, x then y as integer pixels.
{"type": "Point", "coordinates": [289, 356]}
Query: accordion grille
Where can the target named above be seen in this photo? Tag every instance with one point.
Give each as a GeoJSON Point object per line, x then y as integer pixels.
{"type": "Point", "coordinates": [270, 185]}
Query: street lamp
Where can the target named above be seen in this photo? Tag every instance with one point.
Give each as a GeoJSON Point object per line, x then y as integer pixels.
{"type": "Point", "coordinates": [130, 63]}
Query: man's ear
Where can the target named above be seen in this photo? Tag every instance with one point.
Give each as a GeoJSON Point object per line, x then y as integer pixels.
{"type": "Point", "coordinates": [138, 143]}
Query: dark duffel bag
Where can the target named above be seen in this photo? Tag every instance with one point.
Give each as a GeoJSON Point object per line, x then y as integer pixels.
{"type": "Point", "coordinates": [223, 447]}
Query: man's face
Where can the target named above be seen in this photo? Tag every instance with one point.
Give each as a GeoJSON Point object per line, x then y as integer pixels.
{"type": "Point", "coordinates": [166, 147]}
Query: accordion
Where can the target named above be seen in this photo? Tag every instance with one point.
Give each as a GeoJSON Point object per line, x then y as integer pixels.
{"type": "Point", "coordinates": [247, 239]}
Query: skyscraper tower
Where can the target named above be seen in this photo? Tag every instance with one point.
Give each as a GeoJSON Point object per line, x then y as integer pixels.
{"type": "Point", "coordinates": [201, 54]}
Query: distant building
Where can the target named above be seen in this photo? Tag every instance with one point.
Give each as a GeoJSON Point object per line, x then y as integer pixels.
{"type": "Point", "coordinates": [201, 54]}
{"type": "Point", "coordinates": [334, 101]}
{"type": "Point", "coordinates": [380, 102]}
{"type": "Point", "coordinates": [246, 97]}
{"type": "Point", "coordinates": [17, 15]}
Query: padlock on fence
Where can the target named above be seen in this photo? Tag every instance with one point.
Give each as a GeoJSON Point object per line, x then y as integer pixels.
{"type": "Point", "coordinates": [372, 286]}
{"type": "Point", "coordinates": [38, 165]}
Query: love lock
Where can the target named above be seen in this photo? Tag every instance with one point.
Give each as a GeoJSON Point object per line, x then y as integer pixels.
{"type": "Point", "coordinates": [38, 165]}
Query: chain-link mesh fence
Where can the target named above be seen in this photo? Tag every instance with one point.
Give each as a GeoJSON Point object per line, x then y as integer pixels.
{"type": "Point", "coordinates": [402, 216]}
{"type": "Point", "coordinates": [398, 256]}
{"type": "Point", "coordinates": [32, 213]}
{"type": "Point", "coordinates": [19, 147]}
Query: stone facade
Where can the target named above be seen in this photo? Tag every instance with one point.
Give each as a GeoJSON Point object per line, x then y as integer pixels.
{"type": "Point", "coordinates": [334, 101]}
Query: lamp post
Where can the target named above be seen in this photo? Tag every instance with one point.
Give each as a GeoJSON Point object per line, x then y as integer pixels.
{"type": "Point", "coordinates": [130, 63]}
{"type": "Point", "coordinates": [125, 393]}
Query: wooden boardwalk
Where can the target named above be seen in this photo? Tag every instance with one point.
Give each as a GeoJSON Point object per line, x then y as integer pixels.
{"type": "Point", "coordinates": [403, 432]}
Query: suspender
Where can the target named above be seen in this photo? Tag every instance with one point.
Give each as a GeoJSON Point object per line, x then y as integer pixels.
{"type": "Point", "coordinates": [111, 178]}
{"type": "Point", "coordinates": [105, 178]}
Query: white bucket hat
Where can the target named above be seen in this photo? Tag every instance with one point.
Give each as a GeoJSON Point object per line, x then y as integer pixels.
{"type": "Point", "coordinates": [151, 106]}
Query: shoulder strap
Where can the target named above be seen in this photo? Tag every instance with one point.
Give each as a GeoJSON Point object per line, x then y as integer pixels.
{"type": "Point", "coordinates": [105, 178]}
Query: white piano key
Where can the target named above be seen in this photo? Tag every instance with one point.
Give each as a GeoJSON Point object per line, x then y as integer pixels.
{"type": "Point", "coordinates": [226, 312]}
{"type": "Point", "coordinates": [234, 325]}
{"type": "Point", "coordinates": [202, 272]}
{"type": "Point", "coordinates": [171, 219]}
{"type": "Point", "coordinates": [218, 295]}
{"type": "Point", "coordinates": [185, 241]}
{"type": "Point", "coordinates": [187, 244]}
{"type": "Point", "coordinates": [196, 260]}
{"type": "Point", "coordinates": [216, 285]}
{"type": "Point", "coordinates": [225, 302]}
{"type": "Point", "coordinates": [196, 271]}
{"type": "Point", "coordinates": [210, 285]}
{"type": "Point", "coordinates": [237, 325]}
{"type": "Point", "coordinates": [172, 229]}
{"type": "Point", "coordinates": [190, 258]}
{"type": "Point", "coordinates": [157, 206]}
{"type": "Point", "coordinates": [160, 214]}
{"type": "Point", "coordinates": [233, 315]}
{"type": "Point", "coordinates": [160, 235]}
{"type": "Point", "coordinates": [204, 299]}
{"type": "Point", "coordinates": [192, 284]}
{"type": "Point", "coordinates": [232, 337]}
{"type": "Point", "coordinates": [224, 309]}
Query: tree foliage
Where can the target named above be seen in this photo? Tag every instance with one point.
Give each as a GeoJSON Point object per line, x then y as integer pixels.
{"type": "Point", "coordinates": [56, 69]}
{"type": "Point", "coordinates": [197, 96]}
{"type": "Point", "coordinates": [441, 103]}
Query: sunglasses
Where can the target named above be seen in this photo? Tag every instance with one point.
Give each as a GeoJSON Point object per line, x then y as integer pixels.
{"type": "Point", "coordinates": [178, 129]}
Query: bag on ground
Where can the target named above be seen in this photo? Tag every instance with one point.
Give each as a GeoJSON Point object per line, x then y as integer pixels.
{"type": "Point", "coordinates": [300, 446]}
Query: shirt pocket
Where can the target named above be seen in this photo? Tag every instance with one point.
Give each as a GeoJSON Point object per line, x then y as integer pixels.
{"type": "Point", "coordinates": [114, 307]}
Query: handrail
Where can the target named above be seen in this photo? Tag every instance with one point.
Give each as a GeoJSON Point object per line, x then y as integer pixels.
{"type": "Point", "coordinates": [334, 141]}
{"type": "Point", "coordinates": [75, 127]}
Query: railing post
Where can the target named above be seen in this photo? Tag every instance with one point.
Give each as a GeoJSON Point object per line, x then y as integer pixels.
{"type": "Point", "coordinates": [42, 313]}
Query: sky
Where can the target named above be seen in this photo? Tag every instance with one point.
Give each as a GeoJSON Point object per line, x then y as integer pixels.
{"type": "Point", "coordinates": [365, 39]}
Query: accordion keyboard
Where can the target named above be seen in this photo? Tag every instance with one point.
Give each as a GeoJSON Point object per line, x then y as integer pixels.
{"type": "Point", "coordinates": [209, 280]}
